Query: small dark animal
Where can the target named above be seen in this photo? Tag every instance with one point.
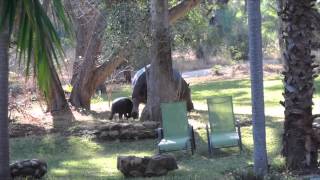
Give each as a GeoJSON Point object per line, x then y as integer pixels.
{"type": "Point", "coordinates": [122, 106]}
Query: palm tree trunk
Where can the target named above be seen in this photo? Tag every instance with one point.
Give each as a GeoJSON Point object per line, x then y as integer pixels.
{"type": "Point", "coordinates": [58, 101]}
{"type": "Point", "coordinates": [256, 72]}
{"type": "Point", "coordinates": [4, 137]}
{"type": "Point", "coordinates": [299, 146]}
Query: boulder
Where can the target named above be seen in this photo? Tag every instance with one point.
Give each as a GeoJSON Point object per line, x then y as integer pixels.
{"type": "Point", "coordinates": [158, 165]}
{"type": "Point", "coordinates": [34, 168]}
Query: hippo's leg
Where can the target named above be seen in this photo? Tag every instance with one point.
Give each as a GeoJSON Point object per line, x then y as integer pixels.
{"type": "Point", "coordinates": [120, 115]}
{"type": "Point", "coordinates": [127, 115]}
{"type": "Point", "coordinates": [135, 108]}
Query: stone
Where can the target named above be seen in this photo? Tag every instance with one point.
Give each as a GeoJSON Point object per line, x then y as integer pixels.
{"type": "Point", "coordinates": [115, 126]}
{"type": "Point", "coordinates": [113, 134]}
{"type": "Point", "coordinates": [150, 124]}
{"type": "Point", "coordinates": [132, 166]}
{"type": "Point", "coordinates": [34, 168]}
{"type": "Point", "coordinates": [139, 127]}
{"type": "Point", "coordinates": [158, 165]}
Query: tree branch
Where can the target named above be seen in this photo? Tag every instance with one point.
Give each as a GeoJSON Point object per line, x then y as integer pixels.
{"type": "Point", "coordinates": [107, 68]}
{"type": "Point", "coordinates": [181, 9]}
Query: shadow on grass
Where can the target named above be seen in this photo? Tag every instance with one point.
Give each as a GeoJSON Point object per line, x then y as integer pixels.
{"type": "Point", "coordinates": [83, 158]}
{"type": "Point", "coordinates": [22, 130]}
{"type": "Point", "coordinates": [62, 120]}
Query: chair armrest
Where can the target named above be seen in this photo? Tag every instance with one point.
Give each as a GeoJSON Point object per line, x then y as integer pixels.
{"type": "Point", "coordinates": [159, 134]}
{"type": "Point", "coordinates": [237, 123]}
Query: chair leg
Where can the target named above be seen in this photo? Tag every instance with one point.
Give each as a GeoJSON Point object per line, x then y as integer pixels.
{"type": "Point", "coordinates": [192, 150]}
{"type": "Point", "coordinates": [193, 139]}
{"type": "Point", "coordinates": [209, 141]}
{"type": "Point", "coordinates": [240, 140]}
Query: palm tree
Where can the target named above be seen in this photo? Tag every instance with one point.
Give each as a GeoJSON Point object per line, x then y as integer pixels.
{"type": "Point", "coordinates": [4, 138]}
{"type": "Point", "coordinates": [299, 145]}
{"type": "Point", "coordinates": [256, 72]}
{"type": "Point", "coordinates": [37, 38]}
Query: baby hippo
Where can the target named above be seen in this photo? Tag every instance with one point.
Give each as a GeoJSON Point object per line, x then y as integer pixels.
{"type": "Point", "coordinates": [122, 106]}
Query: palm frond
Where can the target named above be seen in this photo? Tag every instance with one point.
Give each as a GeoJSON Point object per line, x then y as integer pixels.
{"type": "Point", "coordinates": [36, 37]}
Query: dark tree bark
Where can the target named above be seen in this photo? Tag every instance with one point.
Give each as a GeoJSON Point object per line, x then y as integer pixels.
{"type": "Point", "coordinates": [4, 71]}
{"type": "Point", "coordinates": [161, 87]}
{"type": "Point", "coordinates": [299, 146]}
{"type": "Point", "coordinates": [256, 74]}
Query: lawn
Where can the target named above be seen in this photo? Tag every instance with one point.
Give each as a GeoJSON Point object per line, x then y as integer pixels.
{"type": "Point", "coordinates": [83, 158]}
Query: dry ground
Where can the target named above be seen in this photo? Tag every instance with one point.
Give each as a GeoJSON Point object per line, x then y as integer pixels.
{"type": "Point", "coordinates": [28, 116]}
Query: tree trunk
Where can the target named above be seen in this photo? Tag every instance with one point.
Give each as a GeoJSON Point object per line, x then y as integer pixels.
{"type": "Point", "coordinates": [256, 73]}
{"type": "Point", "coordinates": [4, 137]}
{"type": "Point", "coordinates": [57, 100]}
{"type": "Point", "coordinates": [280, 29]}
{"type": "Point", "coordinates": [161, 86]}
{"type": "Point", "coordinates": [88, 34]}
{"type": "Point", "coordinates": [299, 146]}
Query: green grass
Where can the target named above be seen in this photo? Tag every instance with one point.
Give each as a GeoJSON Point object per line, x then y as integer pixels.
{"type": "Point", "coordinates": [82, 158]}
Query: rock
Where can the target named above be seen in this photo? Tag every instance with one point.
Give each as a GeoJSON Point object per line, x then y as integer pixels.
{"type": "Point", "coordinates": [157, 165]}
{"type": "Point", "coordinates": [127, 134]}
{"type": "Point", "coordinates": [150, 124]}
{"type": "Point", "coordinates": [139, 127]}
{"type": "Point", "coordinates": [160, 165]}
{"type": "Point", "coordinates": [113, 134]}
{"type": "Point", "coordinates": [115, 126]}
{"type": "Point", "coordinates": [28, 168]}
{"type": "Point", "coordinates": [132, 166]}
{"type": "Point", "coordinates": [104, 135]}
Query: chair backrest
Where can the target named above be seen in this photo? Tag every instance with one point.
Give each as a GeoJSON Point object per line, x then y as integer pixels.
{"type": "Point", "coordinates": [221, 117]}
{"type": "Point", "coordinates": [174, 120]}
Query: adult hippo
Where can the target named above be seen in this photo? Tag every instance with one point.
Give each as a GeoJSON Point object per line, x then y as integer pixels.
{"type": "Point", "coordinates": [139, 93]}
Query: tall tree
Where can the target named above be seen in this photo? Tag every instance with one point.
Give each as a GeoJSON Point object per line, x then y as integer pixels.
{"type": "Point", "coordinates": [38, 45]}
{"type": "Point", "coordinates": [299, 145]}
{"type": "Point", "coordinates": [87, 76]}
{"type": "Point", "coordinates": [161, 87]}
{"type": "Point", "coordinates": [4, 137]}
{"type": "Point", "coordinates": [256, 73]}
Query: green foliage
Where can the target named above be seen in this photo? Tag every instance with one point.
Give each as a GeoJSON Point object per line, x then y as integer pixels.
{"type": "Point", "coordinates": [37, 41]}
{"type": "Point", "coordinates": [224, 30]}
{"type": "Point", "coordinates": [128, 22]}
{"type": "Point", "coordinates": [216, 69]}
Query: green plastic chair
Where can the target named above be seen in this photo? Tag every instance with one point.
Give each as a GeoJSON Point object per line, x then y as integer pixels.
{"type": "Point", "coordinates": [176, 134]}
{"type": "Point", "coordinates": [222, 131]}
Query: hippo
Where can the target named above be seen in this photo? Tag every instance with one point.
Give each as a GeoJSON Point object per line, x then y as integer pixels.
{"type": "Point", "coordinates": [139, 93]}
{"type": "Point", "coordinates": [122, 106]}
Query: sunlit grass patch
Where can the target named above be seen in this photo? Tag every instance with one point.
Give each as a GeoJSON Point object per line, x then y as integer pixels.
{"type": "Point", "coordinates": [83, 158]}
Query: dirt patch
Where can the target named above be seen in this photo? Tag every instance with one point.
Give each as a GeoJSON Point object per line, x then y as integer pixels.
{"type": "Point", "coordinates": [28, 117]}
